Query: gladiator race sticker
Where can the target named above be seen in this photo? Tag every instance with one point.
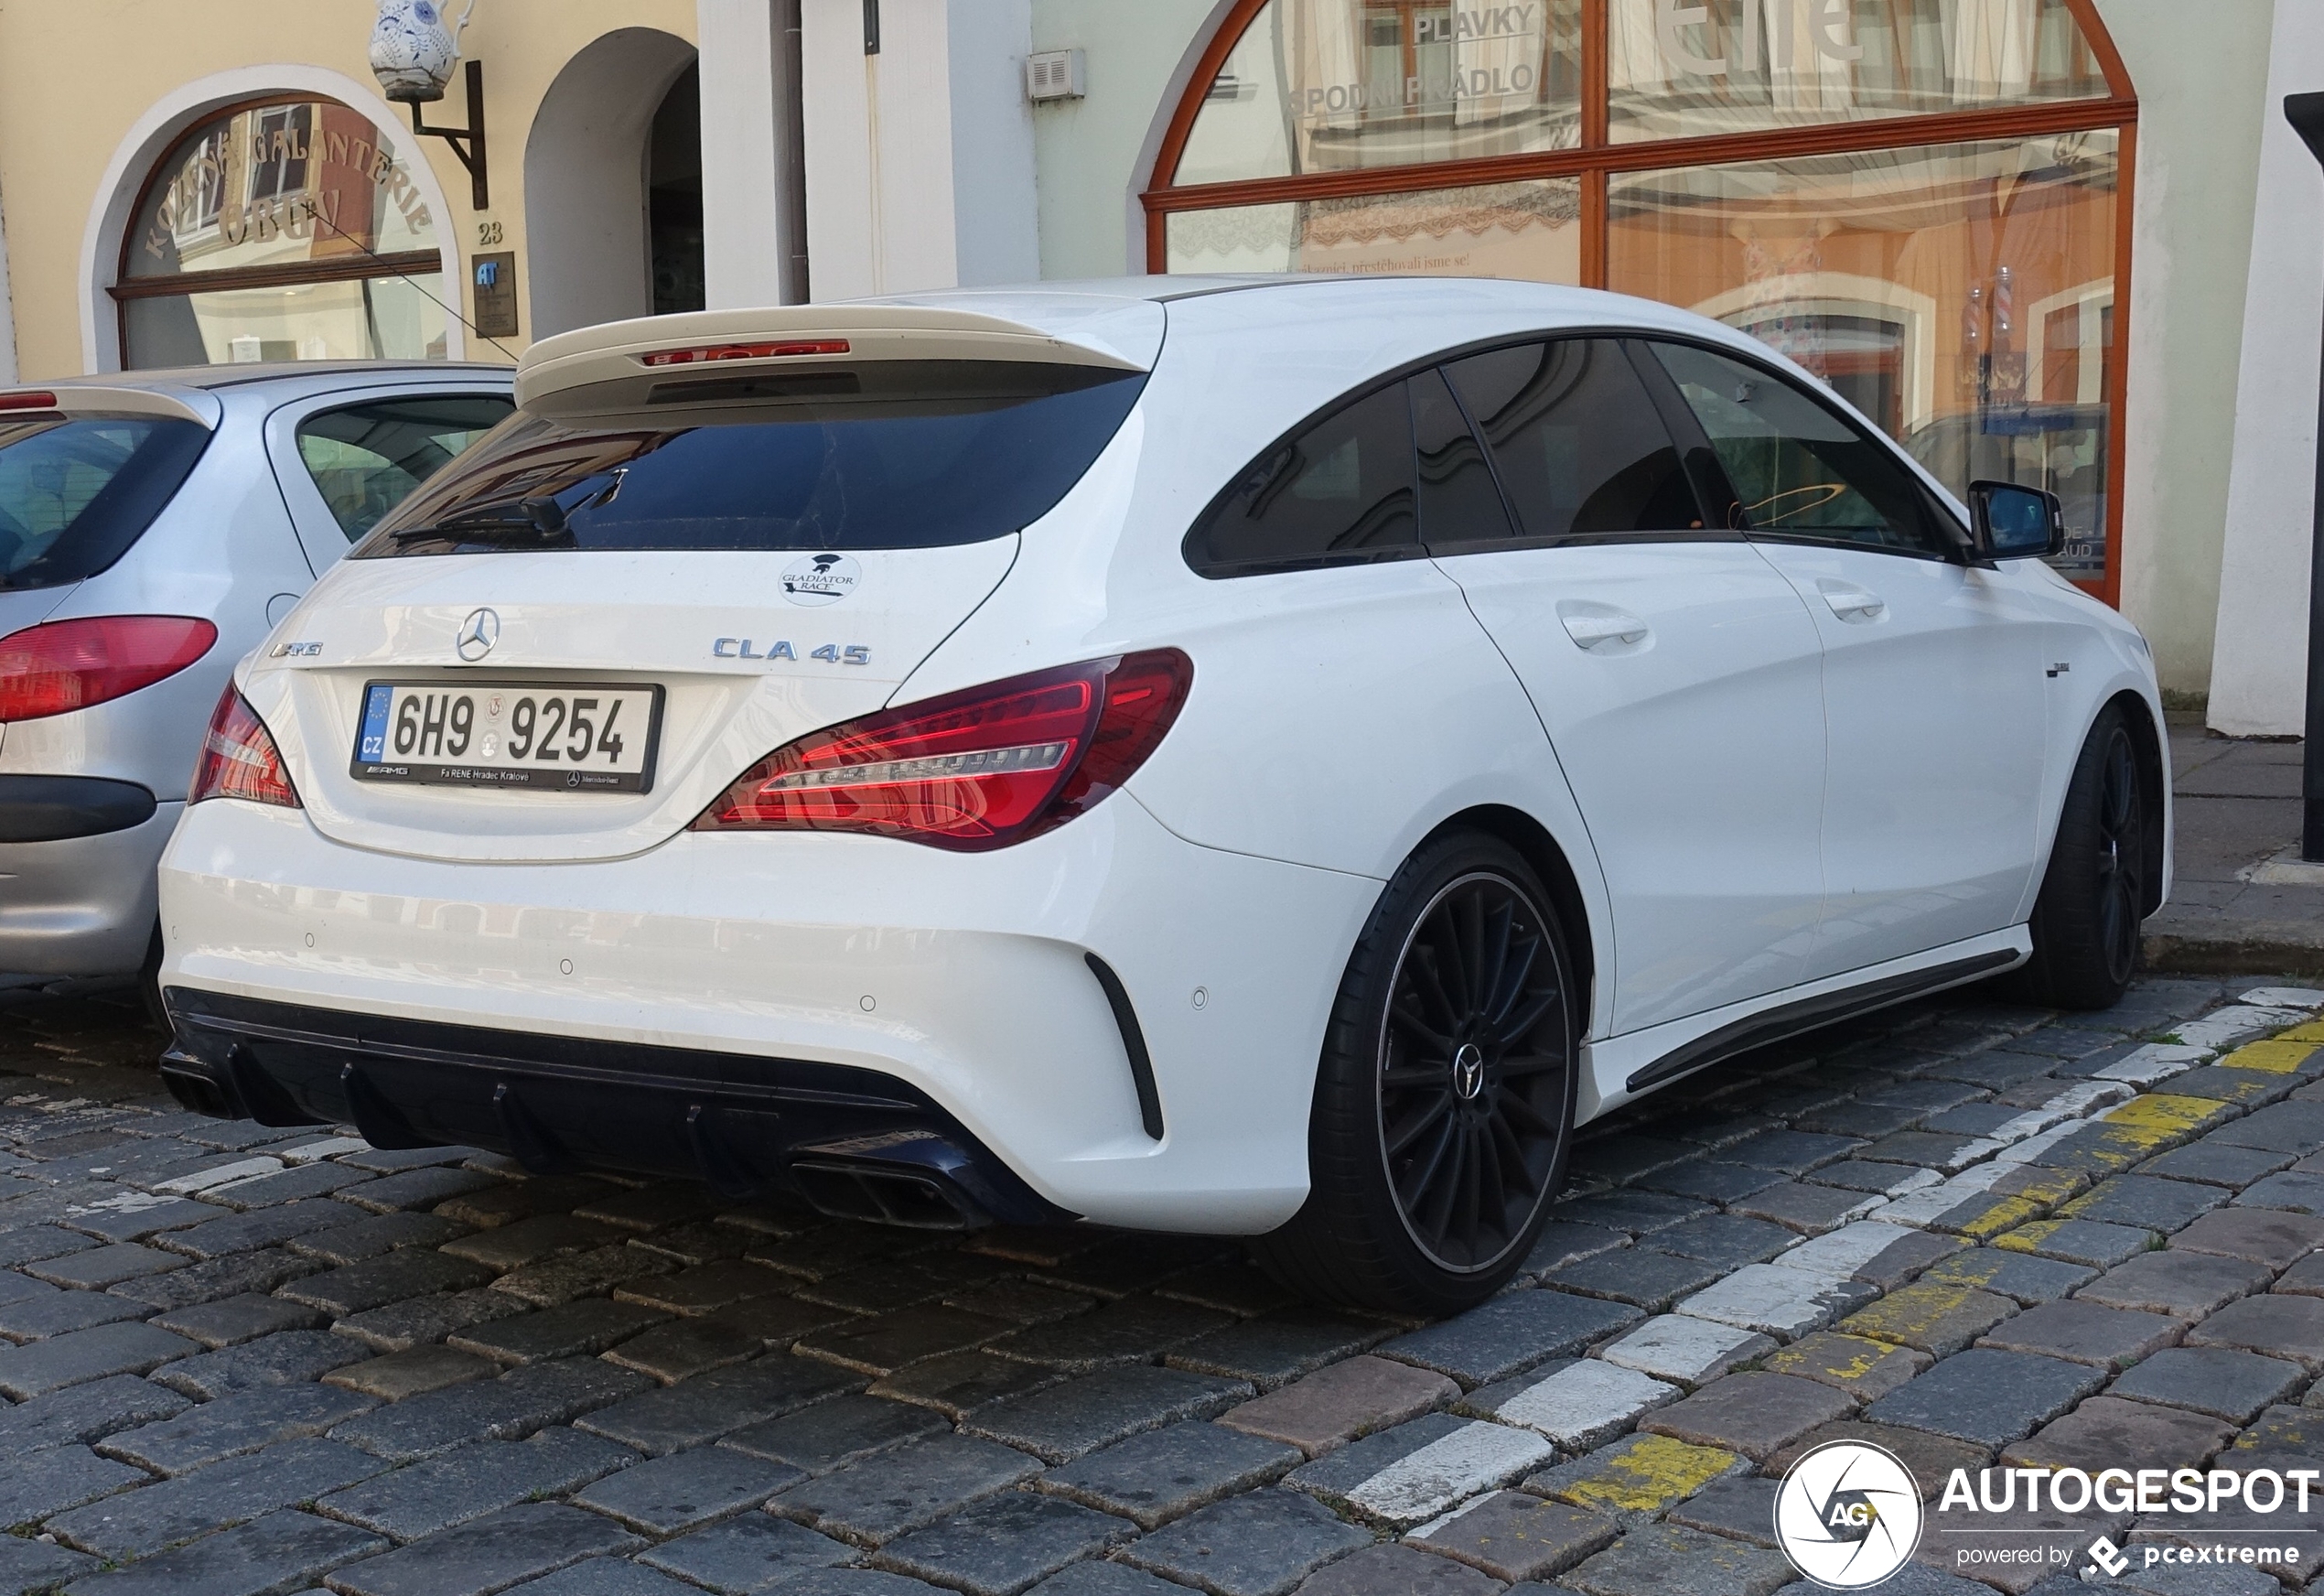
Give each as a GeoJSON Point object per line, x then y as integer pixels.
{"type": "Point", "coordinates": [821, 578]}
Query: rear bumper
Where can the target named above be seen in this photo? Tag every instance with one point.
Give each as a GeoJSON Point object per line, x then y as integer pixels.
{"type": "Point", "coordinates": [849, 1140]}
{"type": "Point", "coordinates": [81, 905]}
{"type": "Point", "coordinates": [718, 969]}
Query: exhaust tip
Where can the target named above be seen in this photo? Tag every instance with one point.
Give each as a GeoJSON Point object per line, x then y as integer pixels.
{"type": "Point", "coordinates": [886, 1197]}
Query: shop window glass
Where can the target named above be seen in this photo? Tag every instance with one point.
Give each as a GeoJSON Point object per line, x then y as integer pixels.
{"type": "Point", "coordinates": [366, 458]}
{"type": "Point", "coordinates": [1962, 297]}
{"type": "Point", "coordinates": [1685, 71]}
{"type": "Point", "coordinates": [397, 318]}
{"type": "Point", "coordinates": [1579, 445]}
{"type": "Point", "coordinates": [1342, 491]}
{"type": "Point", "coordinates": [1528, 230]}
{"type": "Point", "coordinates": [284, 232]}
{"type": "Point", "coordinates": [1335, 85]}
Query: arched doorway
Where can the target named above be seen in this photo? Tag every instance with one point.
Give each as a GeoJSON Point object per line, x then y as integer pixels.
{"type": "Point", "coordinates": [603, 166]}
{"type": "Point", "coordinates": [673, 197]}
{"type": "Point", "coordinates": [1923, 201]}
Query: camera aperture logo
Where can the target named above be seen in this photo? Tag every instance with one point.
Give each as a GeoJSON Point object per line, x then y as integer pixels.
{"type": "Point", "coordinates": [1848, 1515]}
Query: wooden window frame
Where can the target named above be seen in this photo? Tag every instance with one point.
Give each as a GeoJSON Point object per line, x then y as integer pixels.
{"type": "Point", "coordinates": [1598, 158]}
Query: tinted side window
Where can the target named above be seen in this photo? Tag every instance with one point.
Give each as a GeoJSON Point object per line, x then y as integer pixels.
{"type": "Point", "coordinates": [1799, 468]}
{"type": "Point", "coordinates": [1460, 504]}
{"type": "Point", "coordinates": [1578, 443]}
{"type": "Point", "coordinates": [1341, 490]}
{"type": "Point", "coordinates": [366, 458]}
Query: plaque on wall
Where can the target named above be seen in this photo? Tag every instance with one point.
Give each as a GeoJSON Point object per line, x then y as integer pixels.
{"type": "Point", "coordinates": [495, 278]}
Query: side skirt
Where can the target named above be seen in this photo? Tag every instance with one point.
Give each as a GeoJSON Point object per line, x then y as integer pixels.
{"type": "Point", "coordinates": [1643, 1060]}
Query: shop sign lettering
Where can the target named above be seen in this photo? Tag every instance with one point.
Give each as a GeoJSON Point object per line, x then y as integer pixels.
{"type": "Point", "coordinates": [1496, 25]}
{"type": "Point", "coordinates": [197, 199]}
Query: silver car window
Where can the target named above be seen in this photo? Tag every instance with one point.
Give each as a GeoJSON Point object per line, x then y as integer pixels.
{"type": "Point", "coordinates": [77, 491]}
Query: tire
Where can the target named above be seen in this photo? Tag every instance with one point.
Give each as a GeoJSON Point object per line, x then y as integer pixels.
{"type": "Point", "coordinates": [1444, 1103]}
{"type": "Point", "coordinates": [2086, 921]}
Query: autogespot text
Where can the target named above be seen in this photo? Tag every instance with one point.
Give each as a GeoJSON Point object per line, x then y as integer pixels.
{"type": "Point", "coordinates": [2180, 1493]}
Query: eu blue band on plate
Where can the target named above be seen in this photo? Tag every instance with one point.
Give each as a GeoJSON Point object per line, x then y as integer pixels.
{"type": "Point", "coordinates": [373, 747]}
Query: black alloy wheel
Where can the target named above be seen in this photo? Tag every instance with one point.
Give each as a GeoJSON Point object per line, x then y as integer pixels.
{"type": "Point", "coordinates": [2086, 923]}
{"type": "Point", "coordinates": [2122, 866]}
{"type": "Point", "coordinates": [1444, 1096]}
{"type": "Point", "coordinates": [1472, 1073]}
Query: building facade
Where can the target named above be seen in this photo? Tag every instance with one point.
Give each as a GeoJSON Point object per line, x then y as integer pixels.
{"type": "Point", "coordinates": [2062, 242]}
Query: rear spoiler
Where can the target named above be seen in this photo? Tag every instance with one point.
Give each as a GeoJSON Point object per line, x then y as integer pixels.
{"type": "Point", "coordinates": [615, 368]}
{"type": "Point", "coordinates": [76, 398]}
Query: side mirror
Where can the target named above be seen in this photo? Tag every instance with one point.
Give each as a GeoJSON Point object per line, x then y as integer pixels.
{"type": "Point", "coordinates": [2007, 522]}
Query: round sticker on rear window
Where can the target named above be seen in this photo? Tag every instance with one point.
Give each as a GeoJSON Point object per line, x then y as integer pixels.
{"type": "Point", "coordinates": [820, 578]}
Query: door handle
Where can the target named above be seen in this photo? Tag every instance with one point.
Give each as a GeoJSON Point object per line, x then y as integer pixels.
{"type": "Point", "coordinates": [1851, 603]}
{"type": "Point", "coordinates": [1592, 632]}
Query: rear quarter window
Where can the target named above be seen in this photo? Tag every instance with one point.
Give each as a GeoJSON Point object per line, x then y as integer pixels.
{"type": "Point", "coordinates": [77, 492]}
{"type": "Point", "coordinates": [1339, 490]}
{"type": "Point", "coordinates": [365, 459]}
{"type": "Point", "coordinates": [879, 454]}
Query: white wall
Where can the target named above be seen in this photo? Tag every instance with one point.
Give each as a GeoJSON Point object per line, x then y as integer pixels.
{"type": "Point", "coordinates": [746, 136]}
{"type": "Point", "coordinates": [2259, 662]}
{"type": "Point", "coordinates": [919, 159]}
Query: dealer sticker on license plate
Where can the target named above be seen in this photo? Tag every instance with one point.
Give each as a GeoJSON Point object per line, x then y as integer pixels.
{"type": "Point", "coordinates": [558, 735]}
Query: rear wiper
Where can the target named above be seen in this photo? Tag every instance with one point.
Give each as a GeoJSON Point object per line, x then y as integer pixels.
{"type": "Point", "coordinates": [538, 517]}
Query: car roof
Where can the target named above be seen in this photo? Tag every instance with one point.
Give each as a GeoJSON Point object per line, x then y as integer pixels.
{"type": "Point", "coordinates": [205, 393]}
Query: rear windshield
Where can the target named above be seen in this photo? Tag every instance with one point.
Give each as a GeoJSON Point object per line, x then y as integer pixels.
{"type": "Point", "coordinates": [76, 493]}
{"type": "Point", "coordinates": [886, 454]}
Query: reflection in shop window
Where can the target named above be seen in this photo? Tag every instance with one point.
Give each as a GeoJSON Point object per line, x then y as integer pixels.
{"type": "Point", "coordinates": [1683, 71]}
{"type": "Point", "coordinates": [1529, 230]}
{"type": "Point", "coordinates": [1335, 85]}
{"type": "Point", "coordinates": [1962, 297]}
{"type": "Point", "coordinates": [247, 205]}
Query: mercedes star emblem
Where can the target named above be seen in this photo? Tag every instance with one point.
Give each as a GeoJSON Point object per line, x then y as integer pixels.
{"type": "Point", "coordinates": [476, 635]}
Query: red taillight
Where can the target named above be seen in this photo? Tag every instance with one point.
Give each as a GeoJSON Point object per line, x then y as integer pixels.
{"type": "Point", "coordinates": [970, 770]}
{"type": "Point", "coordinates": [71, 664]}
{"type": "Point", "coordinates": [239, 759]}
{"type": "Point", "coordinates": [744, 351]}
{"type": "Point", "coordinates": [38, 399]}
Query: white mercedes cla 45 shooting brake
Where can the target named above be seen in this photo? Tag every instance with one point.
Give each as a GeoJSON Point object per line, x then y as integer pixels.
{"type": "Point", "coordinates": [1260, 757]}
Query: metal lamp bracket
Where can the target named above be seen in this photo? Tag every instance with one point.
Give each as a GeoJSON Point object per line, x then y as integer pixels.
{"type": "Point", "coordinates": [467, 142]}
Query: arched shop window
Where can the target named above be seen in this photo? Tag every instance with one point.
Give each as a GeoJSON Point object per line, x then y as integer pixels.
{"type": "Point", "coordinates": [286, 231]}
{"type": "Point", "coordinates": [1922, 201]}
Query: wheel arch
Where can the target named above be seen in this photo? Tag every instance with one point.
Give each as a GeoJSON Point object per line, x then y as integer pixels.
{"type": "Point", "coordinates": [1542, 851]}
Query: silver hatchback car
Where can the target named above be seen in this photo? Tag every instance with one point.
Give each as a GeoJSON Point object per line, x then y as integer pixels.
{"type": "Point", "coordinates": [153, 526]}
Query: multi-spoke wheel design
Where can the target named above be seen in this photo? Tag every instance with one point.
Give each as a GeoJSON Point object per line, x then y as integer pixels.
{"type": "Point", "coordinates": [1445, 1092]}
{"type": "Point", "coordinates": [1473, 1061]}
{"type": "Point", "coordinates": [2122, 863]}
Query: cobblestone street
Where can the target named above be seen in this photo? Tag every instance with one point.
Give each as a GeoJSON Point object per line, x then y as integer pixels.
{"type": "Point", "coordinates": [249, 1361]}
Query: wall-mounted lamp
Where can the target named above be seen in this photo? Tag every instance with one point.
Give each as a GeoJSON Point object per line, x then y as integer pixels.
{"type": "Point", "coordinates": [413, 51]}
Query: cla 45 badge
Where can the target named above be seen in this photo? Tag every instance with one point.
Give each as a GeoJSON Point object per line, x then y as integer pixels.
{"type": "Point", "coordinates": [831, 653]}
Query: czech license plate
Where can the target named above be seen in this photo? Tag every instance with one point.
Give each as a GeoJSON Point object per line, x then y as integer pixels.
{"type": "Point", "coordinates": [563, 737]}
